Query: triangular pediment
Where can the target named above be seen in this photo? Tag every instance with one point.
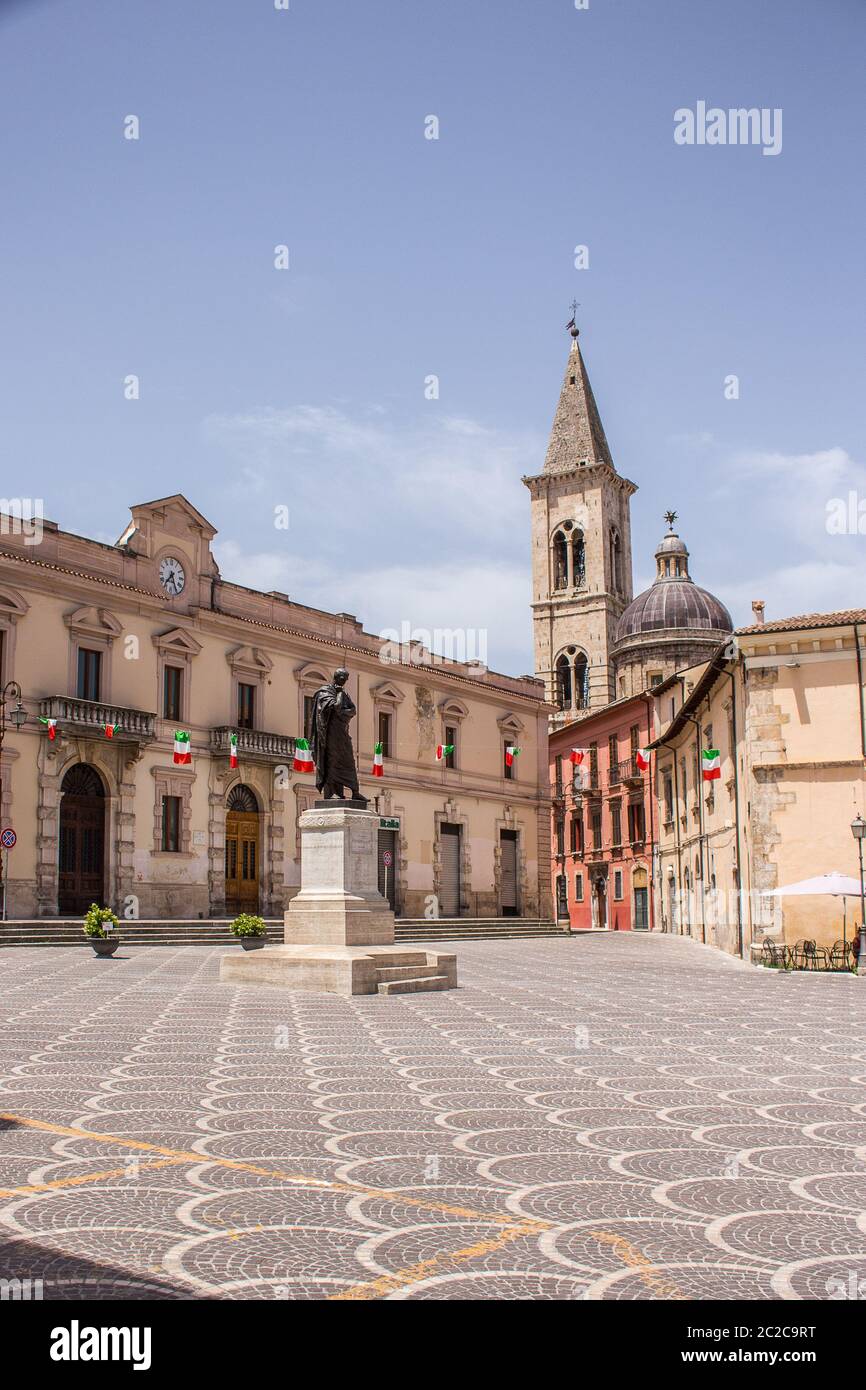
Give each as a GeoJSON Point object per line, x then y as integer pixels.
{"type": "Point", "coordinates": [177, 640]}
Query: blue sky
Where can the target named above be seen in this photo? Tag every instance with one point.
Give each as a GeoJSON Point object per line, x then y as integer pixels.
{"type": "Point", "coordinates": [411, 257]}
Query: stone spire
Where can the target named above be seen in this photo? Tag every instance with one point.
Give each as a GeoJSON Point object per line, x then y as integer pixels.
{"type": "Point", "coordinates": [577, 436]}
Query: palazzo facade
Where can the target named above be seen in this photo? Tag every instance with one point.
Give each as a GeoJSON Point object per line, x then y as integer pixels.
{"type": "Point", "coordinates": [144, 637]}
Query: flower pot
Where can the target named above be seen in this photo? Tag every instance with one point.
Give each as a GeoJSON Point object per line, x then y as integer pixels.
{"type": "Point", "coordinates": [105, 945]}
{"type": "Point", "coordinates": [253, 943]}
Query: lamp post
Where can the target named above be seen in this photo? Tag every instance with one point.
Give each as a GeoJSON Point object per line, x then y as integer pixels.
{"type": "Point", "coordinates": [10, 691]}
{"type": "Point", "coordinates": [858, 830]}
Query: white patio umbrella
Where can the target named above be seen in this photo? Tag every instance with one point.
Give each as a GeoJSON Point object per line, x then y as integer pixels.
{"type": "Point", "coordinates": [833, 885]}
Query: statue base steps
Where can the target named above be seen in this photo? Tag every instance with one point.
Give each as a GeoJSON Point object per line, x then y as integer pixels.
{"type": "Point", "coordinates": [339, 930]}
{"type": "Point", "coordinates": [342, 970]}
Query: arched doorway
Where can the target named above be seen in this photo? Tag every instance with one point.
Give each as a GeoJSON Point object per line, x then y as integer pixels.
{"type": "Point", "coordinates": [243, 857]}
{"type": "Point", "coordinates": [82, 841]}
{"type": "Point", "coordinates": [599, 903]}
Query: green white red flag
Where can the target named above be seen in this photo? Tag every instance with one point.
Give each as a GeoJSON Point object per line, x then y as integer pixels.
{"type": "Point", "coordinates": [711, 764]}
{"type": "Point", "coordinates": [52, 727]}
{"type": "Point", "coordinates": [378, 767]}
{"type": "Point", "coordinates": [233, 750]}
{"type": "Point", "coordinates": [443, 750]}
{"type": "Point", "coordinates": [303, 756]}
{"type": "Point", "coordinates": [182, 750]}
{"type": "Point", "coordinates": [579, 755]}
{"type": "Point", "coordinates": [110, 730]}
{"type": "Point", "coordinates": [643, 759]}
{"type": "Point", "coordinates": [510, 754]}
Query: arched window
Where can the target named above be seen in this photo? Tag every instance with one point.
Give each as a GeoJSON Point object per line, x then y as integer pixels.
{"type": "Point", "coordinates": [241, 798]}
{"type": "Point", "coordinates": [563, 683]}
{"type": "Point", "coordinates": [581, 681]}
{"type": "Point", "coordinates": [578, 559]}
{"type": "Point", "coordinates": [560, 561]}
{"type": "Point", "coordinates": [615, 561]}
{"type": "Point", "coordinates": [81, 780]}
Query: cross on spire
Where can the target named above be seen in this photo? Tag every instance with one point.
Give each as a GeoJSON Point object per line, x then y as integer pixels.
{"type": "Point", "coordinates": [670, 518]}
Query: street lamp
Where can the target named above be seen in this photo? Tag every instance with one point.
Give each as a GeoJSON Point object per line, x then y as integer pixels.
{"type": "Point", "coordinates": [17, 716]}
{"type": "Point", "coordinates": [858, 830]}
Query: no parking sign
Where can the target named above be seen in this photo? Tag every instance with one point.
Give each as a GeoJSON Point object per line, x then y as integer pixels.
{"type": "Point", "coordinates": [8, 838]}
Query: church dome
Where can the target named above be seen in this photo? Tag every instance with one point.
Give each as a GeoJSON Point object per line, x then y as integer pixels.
{"type": "Point", "coordinates": [674, 602]}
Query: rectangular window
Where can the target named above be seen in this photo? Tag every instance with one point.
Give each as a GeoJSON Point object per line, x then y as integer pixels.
{"type": "Point", "coordinates": [384, 733]}
{"type": "Point", "coordinates": [507, 767]}
{"type": "Point", "coordinates": [636, 825]}
{"type": "Point", "coordinates": [655, 678]}
{"type": "Point", "coordinates": [246, 706]}
{"type": "Point", "coordinates": [451, 740]}
{"type": "Point", "coordinates": [171, 824]}
{"type": "Point", "coordinates": [617, 884]}
{"type": "Point", "coordinates": [578, 887]}
{"type": "Point", "coordinates": [669, 799]}
{"type": "Point", "coordinates": [613, 758]}
{"type": "Point", "coordinates": [596, 829]}
{"type": "Point", "coordinates": [573, 834]}
{"type": "Point", "coordinates": [559, 774]}
{"type": "Point", "coordinates": [615, 823]}
{"type": "Point", "coordinates": [560, 836]}
{"type": "Point", "coordinates": [593, 764]}
{"type": "Point", "coordinates": [89, 673]}
{"type": "Point", "coordinates": [171, 692]}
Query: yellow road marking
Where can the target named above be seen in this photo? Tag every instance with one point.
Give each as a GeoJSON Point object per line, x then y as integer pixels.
{"type": "Point", "coordinates": [237, 1165]}
{"type": "Point", "coordinates": [513, 1228]}
{"type": "Point", "coordinates": [630, 1255]}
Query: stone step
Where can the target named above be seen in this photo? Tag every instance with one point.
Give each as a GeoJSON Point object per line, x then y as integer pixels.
{"type": "Point", "coordinates": [416, 986]}
{"type": "Point", "coordinates": [404, 972]}
{"type": "Point", "coordinates": [385, 959]}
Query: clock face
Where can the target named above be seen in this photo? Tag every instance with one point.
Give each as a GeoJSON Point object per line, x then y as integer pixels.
{"type": "Point", "coordinates": [171, 576]}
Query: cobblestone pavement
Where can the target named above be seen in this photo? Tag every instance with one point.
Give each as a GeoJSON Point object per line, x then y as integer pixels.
{"type": "Point", "coordinates": [616, 1117]}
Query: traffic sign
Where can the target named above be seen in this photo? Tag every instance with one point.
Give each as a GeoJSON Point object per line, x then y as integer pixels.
{"type": "Point", "coordinates": [8, 839]}
{"type": "Point", "coordinates": [387, 858]}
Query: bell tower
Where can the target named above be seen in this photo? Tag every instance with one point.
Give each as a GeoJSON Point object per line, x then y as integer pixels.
{"type": "Point", "coordinates": [581, 550]}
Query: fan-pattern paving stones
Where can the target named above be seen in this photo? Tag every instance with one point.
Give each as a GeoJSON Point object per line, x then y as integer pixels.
{"type": "Point", "coordinates": [619, 1117]}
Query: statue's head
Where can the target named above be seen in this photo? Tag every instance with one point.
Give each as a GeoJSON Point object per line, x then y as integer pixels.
{"type": "Point", "coordinates": [341, 676]}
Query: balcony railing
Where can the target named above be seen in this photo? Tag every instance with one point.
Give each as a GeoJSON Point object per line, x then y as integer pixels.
{"type": "Point", "coordinates": [87, 717]}
{"type": "Point", "coordinates": [254, 743]}
{"type": "Point", "coordinates": [629, 770]}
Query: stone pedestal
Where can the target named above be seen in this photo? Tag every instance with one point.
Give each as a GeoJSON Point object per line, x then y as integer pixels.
{"type": "Point", "coordinates": [339, 903]}
{"type": "Point", "coordinates": [339, 930]}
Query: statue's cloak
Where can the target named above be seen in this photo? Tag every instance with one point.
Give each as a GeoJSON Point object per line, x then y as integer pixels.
{"type": "Point", "coordinates": [329, 739]}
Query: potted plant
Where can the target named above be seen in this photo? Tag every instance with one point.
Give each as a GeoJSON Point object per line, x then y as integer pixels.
{"type": "Point", "coordinates": [250, 931]}
{"type": "Point", "coordinates": [100, 926]}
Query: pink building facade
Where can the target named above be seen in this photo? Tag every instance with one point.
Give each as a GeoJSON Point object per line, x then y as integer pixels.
{"type": "Point", "coordinates": [603, 831]}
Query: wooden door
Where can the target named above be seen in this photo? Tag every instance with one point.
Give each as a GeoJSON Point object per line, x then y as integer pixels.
{"type": "Point", "coordinates": [242, 862]}
{"type": "Point", "coordinates": [82, 842]}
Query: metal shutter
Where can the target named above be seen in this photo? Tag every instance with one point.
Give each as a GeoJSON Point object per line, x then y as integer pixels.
{"type": "Point", "coordinates": [388, 841]}
{"type": "Point", "coordinates": [449, 893]}
{"type": "Point", "coordinates": [508, 865]}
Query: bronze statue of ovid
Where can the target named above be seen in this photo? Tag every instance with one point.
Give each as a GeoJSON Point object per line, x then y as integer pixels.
{"type": "Point", "coordinates": [330, 741]}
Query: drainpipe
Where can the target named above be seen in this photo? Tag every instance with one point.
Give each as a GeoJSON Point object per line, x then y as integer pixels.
{"type": "Point", "coordinates": [736, 758]}
{"type": "Point", "coordinates": [860, 689]}
{"type": "Point", "coordinates": [671, 749]}
{"type": "Point", "coordinates": [651, 798]}
{"type": "Point", "coordinates": [699, 779]}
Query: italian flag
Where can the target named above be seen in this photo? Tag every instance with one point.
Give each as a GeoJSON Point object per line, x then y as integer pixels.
{"type": "Point", "coordinates": [233, 750]}
{"type": "Point", "coordinates": [711, 764]}
{"type": "Point", "coordinates": [182, 752]}
{"type": "Point", "coordinates": [110, 730]}
{"type": "Point", "coordinates": [378, 768]}
{"type": "Point", "coordinates": [303, 760]}
{"type": "Point", "coordinates": [577, 755]}
{"type": "Point", "coordinates": [442, 750]}
{"type": "Point", "coordinates": [52, 727]}
{"type": "Point", "coordinates": [510, 754]}
{"type": "Point", "coordinates": [643, 759]}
